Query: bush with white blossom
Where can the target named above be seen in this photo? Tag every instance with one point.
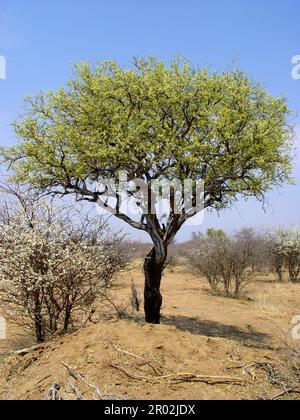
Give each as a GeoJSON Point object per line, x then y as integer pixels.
{"type": "Point", "coordinates": [285, 251]}
{"type": "Point", "coordinates": [47, 274]}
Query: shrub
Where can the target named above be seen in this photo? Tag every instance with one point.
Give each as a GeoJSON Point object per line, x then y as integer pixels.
{"type": "Point", "coordinates": [202, 259]}
{"type": "Point", "coordinates": [50, 269]}
{"type": "Point", "coordinates": [223, 261]}
{"type": "Point", "coordinates": [284, 248]}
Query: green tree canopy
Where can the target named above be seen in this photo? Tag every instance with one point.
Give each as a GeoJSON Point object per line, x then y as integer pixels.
{"type": "Point", "coordinates": [216, 233]}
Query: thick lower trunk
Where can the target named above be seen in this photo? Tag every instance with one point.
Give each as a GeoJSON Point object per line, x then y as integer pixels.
{"type": "Point", "coordinates": [67, 318]}
{"type": "Point", "coordinates": [153, 269]}
{"type": "Point", "coordinates": [38, 321]}
{"type": "Point", "coordinates": [39, 331]}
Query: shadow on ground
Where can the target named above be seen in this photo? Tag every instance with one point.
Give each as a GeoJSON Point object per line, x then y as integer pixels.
{"type": "Point", "coordinates": [218, 330]}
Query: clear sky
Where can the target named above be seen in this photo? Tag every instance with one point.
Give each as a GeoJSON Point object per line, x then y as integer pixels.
{"type": "Point", "coordinates": [39, 40]}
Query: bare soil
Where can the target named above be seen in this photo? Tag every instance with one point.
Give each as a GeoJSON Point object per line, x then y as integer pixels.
{"type": "Point", "coordinates": [207, 347]}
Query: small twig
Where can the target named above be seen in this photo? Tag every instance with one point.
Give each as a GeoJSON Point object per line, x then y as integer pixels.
{"type": "Point", "coordinates": [42, 380]}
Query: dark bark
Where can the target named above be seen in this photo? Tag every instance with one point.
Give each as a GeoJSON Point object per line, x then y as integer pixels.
{"type": "Point", "coordinates": [153, 268]}
{"type": "Point", "coordinates": [68, 313]}
{"type": "Point", "coordinates": [53, 325]}
{"type": "Point", "coordinates": [39, 331]}
{"type": "Point", "coordinates": [38, 319]}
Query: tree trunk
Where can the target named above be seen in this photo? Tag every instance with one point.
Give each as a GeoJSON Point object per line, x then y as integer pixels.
{"type": "Point", "coordinates": [39, 329]}
{"type": "Point", "coordinates": [53, 324]}
{"type": "Point", "coordinates": [38, 319]}
{"type": "Point", "coordinates": [153, 268]}
{"type": "Point", "coordinates": [67, 319]}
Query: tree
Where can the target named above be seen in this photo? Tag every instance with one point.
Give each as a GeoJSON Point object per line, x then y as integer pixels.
{"type": "Point", "coordinates": [154, 120]}
{"type": "Point", "coordinates": [215, 233]}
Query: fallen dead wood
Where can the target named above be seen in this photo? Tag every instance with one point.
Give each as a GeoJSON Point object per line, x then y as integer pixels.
{"type": "Point", "coordinates": [100, 395]}
{"type": "Point", "coordinates": [156, 366]}
{"type": "Point", "coordinates": [183, 377]}
{"type": "Point", "coordinates": [28, 350]}
{"type": "Point", "coordinates": [280, 375]}
{"type": "Point", "coordinates": [285, 392]}
{"type": "Point", "coordinates": [209, 380]}
{"type": "Point", "coordinates": [148, 369]}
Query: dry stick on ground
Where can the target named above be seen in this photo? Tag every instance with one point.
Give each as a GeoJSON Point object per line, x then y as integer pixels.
{"type": "Point", "coordinates": [188, 377]}
{"type": "Point", "coordinates": [184, 377]}
{"type": "Point", "coordinates": [275, 377]}
{"type": "Point", "coordinates": [175, 377]}
{"type": "Point", "coordinates": [76, 392]}
{"type": "Point", "coordinates": [283, 382]}
{"type": "Point", "coordinates": [142, 359]}
{"type": "Point", "coordinates": [28, 350]}
{"type": "Point", "coordinates": [81, 379]}
{"type": "Point", "coordinates": [53, 394]}
{"type": "Point", "coordinates": [286, 392]}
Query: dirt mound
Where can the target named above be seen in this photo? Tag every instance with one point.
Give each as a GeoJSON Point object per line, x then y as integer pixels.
{"type": "Point", "coordinates": [126, 359]}
{"type": "Point", "coordinates": [208, 347]}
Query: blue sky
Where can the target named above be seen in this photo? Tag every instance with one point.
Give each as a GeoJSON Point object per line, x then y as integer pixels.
{"type": "Point", "coordinates": [39, 40]}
